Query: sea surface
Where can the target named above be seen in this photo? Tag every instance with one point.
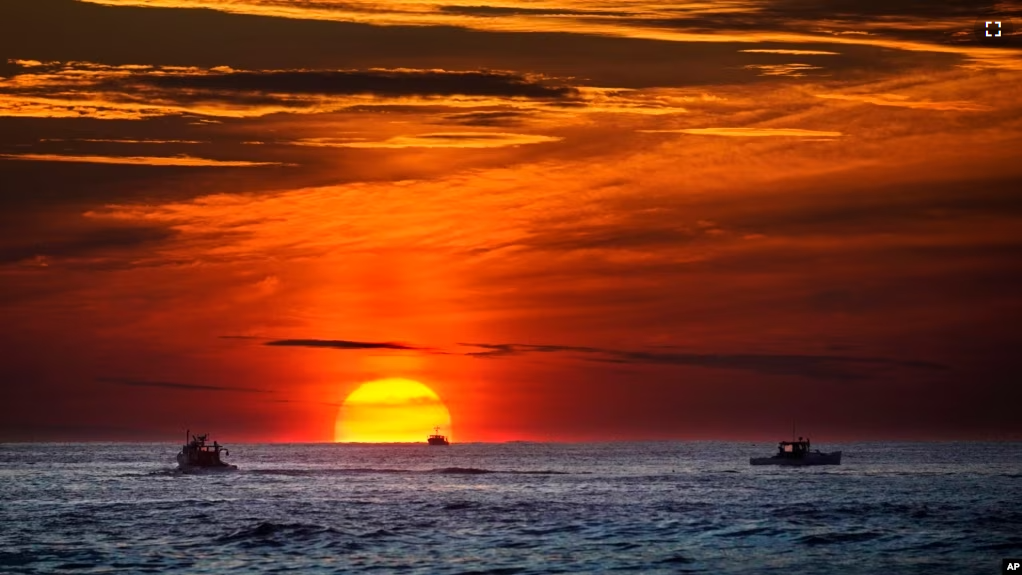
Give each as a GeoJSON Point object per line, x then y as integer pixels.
{"type": "Point", "coordinates": [665, 507]}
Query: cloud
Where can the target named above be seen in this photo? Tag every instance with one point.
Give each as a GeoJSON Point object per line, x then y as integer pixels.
{"type": "Point", "coordinates": [790, 70]}
{"type": "Point", "coordinates": [122, 141]}
{"type": "Point", "coordinates": [510, 349]}
{"type": "Point", "coordinates": [377, 82]}
{"type": "Point", "coordinates": [41, 250]}
{"type": "Point", "coordinates": [177, 386]}
{"type": "Point", "coordinates": [326, 403]}
{"type": "Point", "coordinates": [454, 140]}
{"type": "Point", "coordinates": [99, 91]}
{"type": "Point", "coordinates": [428, 140]}
{"type": "Point", "coordinates": [340, 344]}
{"type": "Point", "coordinates": [791, 51]}
{"type": "Point", "coordinates": [494, 11]}
{"type": "Point", "coordinates": [806, 365]}
{"type": "Point", "coordinates": [311, 142]}
{"type": "Point", "coordinates": [488, 118]}
{"type": "Point", "coordinates": [183, 161]}
{"type": "Point", "coordinates": [316, 27]}
{"type": "Point", "coordinates": [900, 101]}
{"type": "Point", "coordinates": [76, 89]}
{"type": "Point", "coordinates": [814, 366]}
{"type": "Point", "coordinates": [619, 233]}
{"type": "Point", "coordinates": [750, 132]}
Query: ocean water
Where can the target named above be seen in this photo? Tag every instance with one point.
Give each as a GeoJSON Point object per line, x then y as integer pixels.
{"type": "Point", "coordinates": [665, 507]}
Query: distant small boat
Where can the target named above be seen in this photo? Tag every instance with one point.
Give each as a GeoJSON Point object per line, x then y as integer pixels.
{"type": "Point", "coordinates": [197, 455]}
{"type": "Point", "coordinates": [797, 453]}
{"type": "Point", "coordinates": [436, 438]}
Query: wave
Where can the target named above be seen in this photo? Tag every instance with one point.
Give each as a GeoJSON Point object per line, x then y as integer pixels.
{"type": "Point", "coordinates": [298, 534]}
{"type": "Point", "coordinates": [17, 558]}
{"type": "Point", "coordinates": [831, 538]}
{"type": "Point", "coordinates": [1010, 545]}
{"type": "Point", "coordinates": [748, 531]}
{"type": "Point", "coordinates": [930, 545]}
{"type": "Point", "coordinates": [461, 471]}
{"type": "Point", "coordinates": [269, 530]}
{"type": "Point", "coordinates": [809, 511]}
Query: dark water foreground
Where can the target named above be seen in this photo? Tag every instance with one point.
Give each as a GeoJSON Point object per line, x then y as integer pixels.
{"type": "Point", "coordinates": [952, 508]}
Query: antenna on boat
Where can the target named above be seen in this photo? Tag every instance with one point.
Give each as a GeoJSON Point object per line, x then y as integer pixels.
{"type": "Point", "coordinates": [793, 430]}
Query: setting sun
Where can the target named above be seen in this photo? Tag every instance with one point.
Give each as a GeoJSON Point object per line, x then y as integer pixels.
{"type": "Point", "coordinates": [391, 410]}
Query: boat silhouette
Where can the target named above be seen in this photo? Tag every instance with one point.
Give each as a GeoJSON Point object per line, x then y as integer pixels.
{"type": "Point", "coordinates": [798, 453]}
{"type": "Point", "coordinates": [198, 455]}
{"type": "Point", "coordinates": [436, 438]}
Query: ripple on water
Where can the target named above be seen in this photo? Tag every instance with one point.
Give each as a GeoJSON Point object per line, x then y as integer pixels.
{"type": "Point", "coordinates": [532, 508]}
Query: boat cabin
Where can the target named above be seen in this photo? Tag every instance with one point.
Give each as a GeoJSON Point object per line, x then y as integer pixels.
{"type": "Point", "coordinates": [198, 453]}
{"type": "Point", "coordinates": [793, 449]}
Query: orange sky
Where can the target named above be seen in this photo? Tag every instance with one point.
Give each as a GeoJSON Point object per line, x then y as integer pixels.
{"type": "Point", "coordinates": [571, 220]}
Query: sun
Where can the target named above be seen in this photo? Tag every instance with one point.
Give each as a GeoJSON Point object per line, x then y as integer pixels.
{"type": "Point", "coordinates": [391, 410]}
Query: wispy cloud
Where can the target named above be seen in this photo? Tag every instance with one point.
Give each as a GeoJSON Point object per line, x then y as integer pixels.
{"type": "Point", "coordinates": [341, 344]}
{"type": "Point", "coordinates": [791, 51]}
{"type": "Point", "coordinates": [901, 101]}
{"type": "Point", "coordinates": [813, 366]}
{"type": "Point", "coordinates": [901, 25]}
{"type": "Point", "coordinates": [488, 118]}
{"type": "Point", "coordinates": [122, 141]}
{"type": "Point", "coordinates": [806, 365]}
{"type": "Point", "coordinates": [378, 82]}
{"type": "Point", "coordinates": [177, 386]}
{"type": "Point", "coordinates": [791, 70]}
{"type": "Point", "coordinates": [88, 244]}
{"type": "Point", "coordinates": [76, 89]}
{"type": "Point", "coordinates": [325, 403]}
{"type": "Point", "coordinates": [750, 132]}
{"type": "Point", "coordinates": [454, 140]}
{"type": "Point", "coordinates": [183, 161]}
{"type": "Point", "coordinates": [510, 349]}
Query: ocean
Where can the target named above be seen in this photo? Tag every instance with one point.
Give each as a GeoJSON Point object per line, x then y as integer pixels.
{"type": "Point", "coordinates": [660, 507]}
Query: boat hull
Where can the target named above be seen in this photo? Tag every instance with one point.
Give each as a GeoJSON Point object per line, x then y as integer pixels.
{"type": "Point", "coordinates": [833, 458]}
{"type": "Point", "coordinates": [184, 466]}
{"type": "Point", "coordinates": [194, 469]}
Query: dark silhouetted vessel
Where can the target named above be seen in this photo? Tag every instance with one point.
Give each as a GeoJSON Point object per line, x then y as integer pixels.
{"type": "Point", "coordinates": [197, 455]}
{"type": "Point", "coordinates": [436, 438]}
{"type": "Point", "coordinates": [797, 453]}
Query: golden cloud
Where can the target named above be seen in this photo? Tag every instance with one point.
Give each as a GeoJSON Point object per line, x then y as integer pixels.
{"type": "Point", "coordinates": [750, 132]}
{"type": "Point", "coordinates": [188, 161]}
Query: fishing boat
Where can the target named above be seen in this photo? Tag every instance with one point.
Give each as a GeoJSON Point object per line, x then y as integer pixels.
{"type": "Point", "coordinates": [798, 453]}
{"type": "Point", "coordinates": [198, 455]}
{"type": "Point", "coordinates": [436, 438]}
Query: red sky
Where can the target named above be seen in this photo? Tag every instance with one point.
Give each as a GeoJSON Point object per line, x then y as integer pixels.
{"type": "Point", "coordinates": [571, 220]}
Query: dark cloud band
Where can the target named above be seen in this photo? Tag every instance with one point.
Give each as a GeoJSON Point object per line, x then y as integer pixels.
{"type": "Point", "coordinates": [339, 344]}
{"type": "Point", "coordinates": [814, 366]}
{"type": "Point", "coordinates": [177, 386]}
